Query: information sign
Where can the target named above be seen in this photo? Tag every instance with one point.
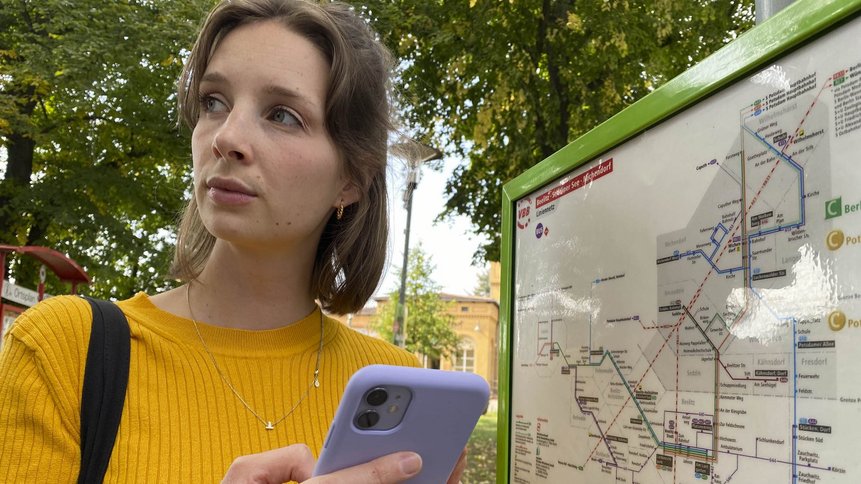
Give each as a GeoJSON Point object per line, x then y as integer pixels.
{"type": "Point", "coordinates": [683, 303]}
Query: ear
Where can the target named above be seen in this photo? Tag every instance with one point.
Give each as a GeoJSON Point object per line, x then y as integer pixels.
{"type": "Point", "coordinates": [349, 195]}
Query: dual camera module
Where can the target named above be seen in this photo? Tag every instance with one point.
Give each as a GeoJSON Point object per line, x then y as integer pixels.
{"type": "Point", "coordinates": [382, 407]}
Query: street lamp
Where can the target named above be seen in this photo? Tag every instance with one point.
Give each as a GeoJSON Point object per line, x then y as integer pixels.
{"type": "Point", "coordinates": [414, 153]}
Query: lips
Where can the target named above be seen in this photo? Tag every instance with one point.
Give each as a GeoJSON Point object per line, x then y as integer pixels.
{"type": "Point", "coordinates": [227, 191]}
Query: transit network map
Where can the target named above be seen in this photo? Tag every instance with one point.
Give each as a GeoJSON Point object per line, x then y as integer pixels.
{"type": "Point", "coordinates": [688, 306]}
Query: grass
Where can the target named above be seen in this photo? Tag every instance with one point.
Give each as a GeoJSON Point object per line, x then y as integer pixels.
{"type": "Point", "coordinates": [481, 459]}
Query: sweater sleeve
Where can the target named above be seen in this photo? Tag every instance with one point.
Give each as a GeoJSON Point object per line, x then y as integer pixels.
{"type": "Point", "coordinates": [40, 383]}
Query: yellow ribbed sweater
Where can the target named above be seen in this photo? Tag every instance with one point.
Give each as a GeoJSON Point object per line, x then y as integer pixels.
{"type": "Point", "coordinates": [180, 422]}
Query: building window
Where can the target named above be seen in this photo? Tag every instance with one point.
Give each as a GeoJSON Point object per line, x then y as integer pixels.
{"type": "Point", "coordinates": [464, 359]}
{"type": "Point", "coordinates": [464, 309]}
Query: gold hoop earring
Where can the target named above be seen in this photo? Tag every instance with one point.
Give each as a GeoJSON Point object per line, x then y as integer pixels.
{"type": "Point", "coordinates": [340, 213]}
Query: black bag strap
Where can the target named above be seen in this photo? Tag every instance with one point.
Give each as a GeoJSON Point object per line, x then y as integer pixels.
{"type": "Point", "coordinates": [105, 380]}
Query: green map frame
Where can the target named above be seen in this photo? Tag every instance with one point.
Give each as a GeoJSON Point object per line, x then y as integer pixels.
{"type": "Point", "coordinates": [798, 24]}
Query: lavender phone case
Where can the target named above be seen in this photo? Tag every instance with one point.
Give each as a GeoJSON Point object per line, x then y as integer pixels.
{"type": "Point", "coordinates": [443, 410]}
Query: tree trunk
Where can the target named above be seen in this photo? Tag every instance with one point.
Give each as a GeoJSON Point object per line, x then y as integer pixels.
{"type": "Point", "coordinates": [19, 169]}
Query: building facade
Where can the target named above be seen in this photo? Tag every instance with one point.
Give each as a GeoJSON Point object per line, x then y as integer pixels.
{"type": "Point", "coordinates": [475, 320]}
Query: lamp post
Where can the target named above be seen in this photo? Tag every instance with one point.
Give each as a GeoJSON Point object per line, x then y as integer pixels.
{"type": "Point", "coordinates": [415, 154]}
{"type": "Point", "coordinates": [765, 9]}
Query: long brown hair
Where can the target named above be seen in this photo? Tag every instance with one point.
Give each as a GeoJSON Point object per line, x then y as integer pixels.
{"type": "Point", "coordinates": [352, 251]}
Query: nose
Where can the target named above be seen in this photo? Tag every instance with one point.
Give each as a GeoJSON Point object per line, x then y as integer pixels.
{"type": "Point", "coordinates": [231, 139]}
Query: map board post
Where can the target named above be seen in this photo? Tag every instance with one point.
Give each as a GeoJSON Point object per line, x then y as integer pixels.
{"type": "Point", "coordinates": [681, 286]}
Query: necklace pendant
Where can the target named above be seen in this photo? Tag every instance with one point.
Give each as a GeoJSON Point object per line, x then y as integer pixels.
{"type": "Point", "coordinates": [267, 424]}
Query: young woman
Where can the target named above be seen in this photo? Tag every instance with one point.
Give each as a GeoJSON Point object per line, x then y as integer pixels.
{"type": "Point", "coordinates": [237, 373]}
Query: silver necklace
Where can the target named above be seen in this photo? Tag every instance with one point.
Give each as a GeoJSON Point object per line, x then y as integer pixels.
{"type": "Point", "coordinates": [267, 424]}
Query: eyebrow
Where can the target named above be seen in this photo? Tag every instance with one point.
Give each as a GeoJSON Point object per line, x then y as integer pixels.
{"type": "Point", "coordinates": [290, 94]}
{"type": "Point", "coordinates": [213, 77]}
{"type": "Point", "coordinates": [271, 89]}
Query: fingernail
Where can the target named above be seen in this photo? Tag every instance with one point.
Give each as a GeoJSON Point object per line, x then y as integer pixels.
{"type": "Point", "coordinates": [411, 464]}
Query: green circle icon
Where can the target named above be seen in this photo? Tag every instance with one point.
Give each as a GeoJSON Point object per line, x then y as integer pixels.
{"type": "Point", "coordinates": [836, 320]}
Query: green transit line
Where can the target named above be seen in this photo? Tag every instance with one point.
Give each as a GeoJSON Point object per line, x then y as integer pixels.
{"type": "Point", "coordinates": [685, 449]}
{"type": "Point", "coordinates": [702, 332]}
{"type": "Point", "coordinates": [633, 397]}
{"type": "Point", "coordinates": [561, 352]}
{"type": "Point", "coordinates": [718, 316]}
{"type": "Point", "coordinates": [679, 448]}
{"type": "Point", "coordinates": [624, 381]}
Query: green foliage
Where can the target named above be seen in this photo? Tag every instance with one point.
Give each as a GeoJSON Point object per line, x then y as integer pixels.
{"type": "Point", "coordinates": [91, 163]}
{"type": "Point", "coordinates": [427, 324]}
{"type": "Point", "coordinates": [95, 166]}
{"type": "Point", "coordinates": [507, 83]}
{"type": "Point", "coordinates": [482, 284]}
{"type": "Point", "coordinates": [481, 452]}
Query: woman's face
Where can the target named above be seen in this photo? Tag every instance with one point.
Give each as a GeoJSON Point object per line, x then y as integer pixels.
{"type": "Point", "coordinates": [267, 174]}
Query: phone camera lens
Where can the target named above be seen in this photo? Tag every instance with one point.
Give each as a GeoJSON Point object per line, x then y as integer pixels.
{"type": "Point", "coordinates": [368, 419]}
{"type": "Point", "coordinates": [377, 397]}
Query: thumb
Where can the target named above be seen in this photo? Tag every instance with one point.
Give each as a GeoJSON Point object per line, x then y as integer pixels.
{"type": "Point", "coordinates": [389, 469]}
{"type": "Point", "coordinates": [291, 463]}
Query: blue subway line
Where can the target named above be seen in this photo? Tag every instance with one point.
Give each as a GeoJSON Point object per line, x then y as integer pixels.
{"type": "Point", "coordinates": [717, 243]}
{"type": "Point", "coordinates": [775, 229]}
{"type": "Point", "coordinates": [712, 237]}
{"type": "Point", "coordinates": [801, 201]}
{"type": "Point", "coordinates": [789, 160]}
{"type": "Point", "coordinates": [772, 148]}
{"type": "Point", "coordinates": [706, 257]}
{"type": "Point", "coordinates": [770, 309]}
{"type": "Point", "coordinates": [794, 403]}
{"type": "Point", "coordinates": [794, 383]}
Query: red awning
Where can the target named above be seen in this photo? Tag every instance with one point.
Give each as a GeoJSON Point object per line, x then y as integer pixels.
{"type": "Point", "coordinates": [65, 268]}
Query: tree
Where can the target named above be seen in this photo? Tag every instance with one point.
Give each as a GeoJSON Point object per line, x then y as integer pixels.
{"type": "Point", "coordinates": [91, 162]}
{"type": "Point", "coordinates": [482, 284]}
{"type": "Point", "coordinates": [504, 84]}
{"type": "Point", "coordinates": [427, 324]}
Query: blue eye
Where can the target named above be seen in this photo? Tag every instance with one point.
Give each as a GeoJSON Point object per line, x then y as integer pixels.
{"type": "Point", "coordinates": [285, 117]}
{"type": "Point", "coordinates": [211, 104]}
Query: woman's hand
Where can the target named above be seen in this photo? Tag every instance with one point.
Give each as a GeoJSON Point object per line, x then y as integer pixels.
{"type": "Point", "coordinates": [457, 472]}
{"type": "Point", "coordinates": [295, 463]}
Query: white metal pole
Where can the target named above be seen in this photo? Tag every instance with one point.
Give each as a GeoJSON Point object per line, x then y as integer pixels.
{"type": "Point", "coordinates": [765, 9]}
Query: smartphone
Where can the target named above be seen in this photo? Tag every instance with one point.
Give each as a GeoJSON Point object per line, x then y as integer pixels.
{"type": "Point", "coordinates": [387, 409]}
